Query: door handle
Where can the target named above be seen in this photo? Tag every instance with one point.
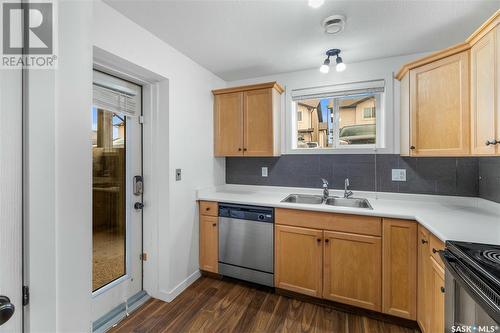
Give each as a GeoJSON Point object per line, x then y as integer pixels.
{"type": "Point", "coordinates": [138, 205]}
{"type": "Point", "coordinates": [7, 309]}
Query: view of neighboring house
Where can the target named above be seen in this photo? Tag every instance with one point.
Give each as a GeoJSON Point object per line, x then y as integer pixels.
{"type": "Point", "coordinates": [316, 118]}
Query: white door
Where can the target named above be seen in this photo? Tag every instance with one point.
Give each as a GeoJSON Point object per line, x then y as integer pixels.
{"type": "Point", "coordinates": [116, 211]}
{"type": "Point", "coordinates": [11, 200]}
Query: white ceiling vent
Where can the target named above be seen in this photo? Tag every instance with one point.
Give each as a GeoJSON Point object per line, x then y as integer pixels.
{"type": "Point", "coordinates": [334, 24]}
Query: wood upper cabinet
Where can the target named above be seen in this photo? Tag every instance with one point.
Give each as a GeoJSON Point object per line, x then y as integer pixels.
{"type": "Point", "coordinates": [228, 118]}
{"type": "Point", "coordinates": [424, 280]}
{"type": "Point", "coordinates": [298, 259]}
{"type": "Point", "coordinates": [439, 120]}
{"type": "Point", "coordinates": [247, 120]}
{"type": "Point", "coordinates": [352, 269]}
{"type": "Point", "coordinates": [450, 103]}
{"type": "Point", "coordinates": [485, 95]}
{"type": "Point", "coordinates": [399, 272]}
{"type": "Point", "coordinates": [437, 298]}
{"type": "Point", "coordinates": [209, 237]}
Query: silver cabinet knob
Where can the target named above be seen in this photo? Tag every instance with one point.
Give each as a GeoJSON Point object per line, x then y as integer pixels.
{"type": "Point", "coordinates": [491, 142]}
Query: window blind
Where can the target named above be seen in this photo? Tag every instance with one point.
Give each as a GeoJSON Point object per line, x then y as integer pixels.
{"type": "Point", "coordinates": [339, 90]}
{"type": "Point", "coordinates": [113, 94]}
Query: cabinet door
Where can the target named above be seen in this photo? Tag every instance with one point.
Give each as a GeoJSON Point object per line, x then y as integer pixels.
{"type": "Point", "coordinates": [258, 121]}
{"type": "Point", "coordinates": [399, 281]}
{"type": "Point", "coordinates": [424, 275]}
{"type": "Point", "coordinates": [437, 304]}
{"type": "Point", "coordinates": [352, 269]}
{"type": "Point", "coordinates": [298, 259]}
{"type": "Point", "coordinates": [484, 91]}
{"type": "Point", "coordinates": [228, 124]}
{"type": "Point", "coordinates": [439, 107]}
{"type": "Point", "coordinates": [209, 244]}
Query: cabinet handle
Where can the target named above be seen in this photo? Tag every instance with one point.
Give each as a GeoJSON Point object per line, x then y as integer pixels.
{"type": "Point", "coordinates": [434, 250]}
{"type": "Point", "coordinates": [491, 142]}
{"type": "Point", "coordinates": [412, 147]}
{"type": "Point", "coordinates": [442, 290]}
{"type": "Point", "coordinates": [327, 240]}
{"type": "Point", "coordinates": [244, 149]}
{"type": "Point", "coordinates": [239, 149]}
{"type": "Point", "coordinates": [207, 209]}
{"type": "Point", "coordinates": [319, 240]}
{"type": "Point", "coordinates": [214, 224]}
{"type": "Point", "coordinates": [424, 241]}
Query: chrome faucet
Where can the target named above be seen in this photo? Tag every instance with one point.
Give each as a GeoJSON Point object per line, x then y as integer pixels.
{"type": "Point", "coordinates": [347, 192]}
{"type": "Point", "coordinates": [326, 193]}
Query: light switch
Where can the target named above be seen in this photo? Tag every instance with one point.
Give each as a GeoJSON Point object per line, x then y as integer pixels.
{"type": "Point", "coordinates": [264, 171]}
{"type": "Point", "coordinates": [399, 175]}
{"type": "Point", "coordinates": [178, 174]}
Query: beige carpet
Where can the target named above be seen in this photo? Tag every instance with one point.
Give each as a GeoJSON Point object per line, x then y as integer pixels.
{"type": "Point", "coordinates": [108, 258]}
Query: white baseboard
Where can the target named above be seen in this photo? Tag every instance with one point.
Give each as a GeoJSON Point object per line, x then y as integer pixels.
{"type": "Point", "coordinates": [169, 296]}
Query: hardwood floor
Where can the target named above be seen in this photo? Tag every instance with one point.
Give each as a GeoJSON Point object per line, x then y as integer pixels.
{"type": "Point", "coordinates": [211, 305]}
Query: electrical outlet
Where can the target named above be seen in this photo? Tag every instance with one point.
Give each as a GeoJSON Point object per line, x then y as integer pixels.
{"type": "Point", "coordinates": [264, 171]}
{"type": "Point", "coordinates": [398, 175]}
{"type": "Point", "coordinates": [178, 174]}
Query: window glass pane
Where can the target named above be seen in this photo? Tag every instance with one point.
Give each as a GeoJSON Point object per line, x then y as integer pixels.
{"type": "Point", "coordinates": [315, 127]}
{"type": "Point", "coordinates": [108, 197]}
{"type": "Point", "coordinates": [357, 123]}
{"type": "Point", "coordinates": [339, 121]}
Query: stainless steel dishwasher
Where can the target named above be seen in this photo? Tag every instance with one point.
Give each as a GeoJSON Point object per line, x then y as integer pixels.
{"type": "Point", "coordinates": [246, 243]}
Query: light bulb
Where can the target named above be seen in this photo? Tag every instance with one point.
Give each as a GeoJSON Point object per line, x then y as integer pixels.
{"type": "Point", "coordinates": [324, 69]}
{"type": "Point", "coordinates": [315, 3]}
{"type": "Point", "coordinates": [340, 65]}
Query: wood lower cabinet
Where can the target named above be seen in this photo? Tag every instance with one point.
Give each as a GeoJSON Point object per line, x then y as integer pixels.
{"type": "Point", "coordinates": [352, 269]}
{"type": "Point", "coordinates": [298, 259]}
{"type": "Point", "coordinates": [399, 277]}
{"type": "Point", "coordinates": [209, 237]}
{"type": "Point", "coordinates": [424, 280]}
{"type": "Point", "coordinates": [437, 298]}
{"type": "Point", "coordinates": [439, 108]}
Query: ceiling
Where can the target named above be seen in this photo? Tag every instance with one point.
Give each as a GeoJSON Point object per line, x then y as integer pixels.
{"type": "Point", "coordinates": [248, 38]}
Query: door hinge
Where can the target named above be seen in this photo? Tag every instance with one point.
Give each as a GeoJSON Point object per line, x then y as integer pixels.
{"type": "Point", "coordinates": [26, 295]}
{"type": "Point", "coordinates": [141, 119]}
{"type": "Point", "coordinates": [143, 256]}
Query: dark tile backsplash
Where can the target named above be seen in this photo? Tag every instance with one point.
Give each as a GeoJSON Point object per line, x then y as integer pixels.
{"type": "Point", "coordinates": [489, 180]}
{"type": "Point", "coordinates": [447, 176]}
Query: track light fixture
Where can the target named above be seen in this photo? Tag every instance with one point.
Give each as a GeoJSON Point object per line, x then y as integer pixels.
{"type": "Point", "coordinates": [339, 67]}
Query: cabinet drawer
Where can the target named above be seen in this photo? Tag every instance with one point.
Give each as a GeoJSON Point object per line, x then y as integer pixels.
{"type": "Point", "coordinates": [436, 245]}
{"type": "Point", "coordinates": [209, 208]}
{"type": "Point", "coordinates": [366, 225]}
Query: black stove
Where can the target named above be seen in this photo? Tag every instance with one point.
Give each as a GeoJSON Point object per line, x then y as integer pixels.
{"type": "Point", "coordinates": [477, 269]}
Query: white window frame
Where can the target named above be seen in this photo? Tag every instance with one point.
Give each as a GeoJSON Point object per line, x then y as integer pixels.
{"type": "Point", "coordinates": [385, 142]}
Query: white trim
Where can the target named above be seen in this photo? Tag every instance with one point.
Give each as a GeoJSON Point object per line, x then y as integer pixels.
{"type": "Point", "coordinates": [169, 296]}
{"type": "Point", "coordinates": [385, 124]}
{"type": "Point", "coordinates": [153, 86]}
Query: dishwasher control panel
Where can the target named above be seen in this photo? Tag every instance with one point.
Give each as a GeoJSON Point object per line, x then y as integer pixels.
{"type": "Point", "coordinates": [244, 212]}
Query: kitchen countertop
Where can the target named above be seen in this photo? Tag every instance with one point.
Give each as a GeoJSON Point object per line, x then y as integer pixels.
{"type": "Point", "coordinates": [447, 217]}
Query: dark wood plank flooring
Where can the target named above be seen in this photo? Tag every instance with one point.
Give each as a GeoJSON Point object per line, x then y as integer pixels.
{"type": "Point", "coordinates": [212, 305]}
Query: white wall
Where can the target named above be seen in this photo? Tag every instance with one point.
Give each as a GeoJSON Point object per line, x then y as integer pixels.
{"type": "Point", "coordinates": [355, 72]}
{"type": "Point", "coordinates": [185, 141]}
{"type": "Point", "coordinates": [58, 176]}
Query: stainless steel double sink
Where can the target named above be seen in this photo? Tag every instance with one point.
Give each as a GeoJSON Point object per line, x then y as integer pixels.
{"type": "Point", "coordinates": [331, 201]}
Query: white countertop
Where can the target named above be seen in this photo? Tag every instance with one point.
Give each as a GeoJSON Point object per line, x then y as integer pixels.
{"type": "Point", "coordinates": [447, 217]}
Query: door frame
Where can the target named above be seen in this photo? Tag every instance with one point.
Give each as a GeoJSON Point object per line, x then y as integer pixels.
{"type": "Point", "coordinates": [153, 86]}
